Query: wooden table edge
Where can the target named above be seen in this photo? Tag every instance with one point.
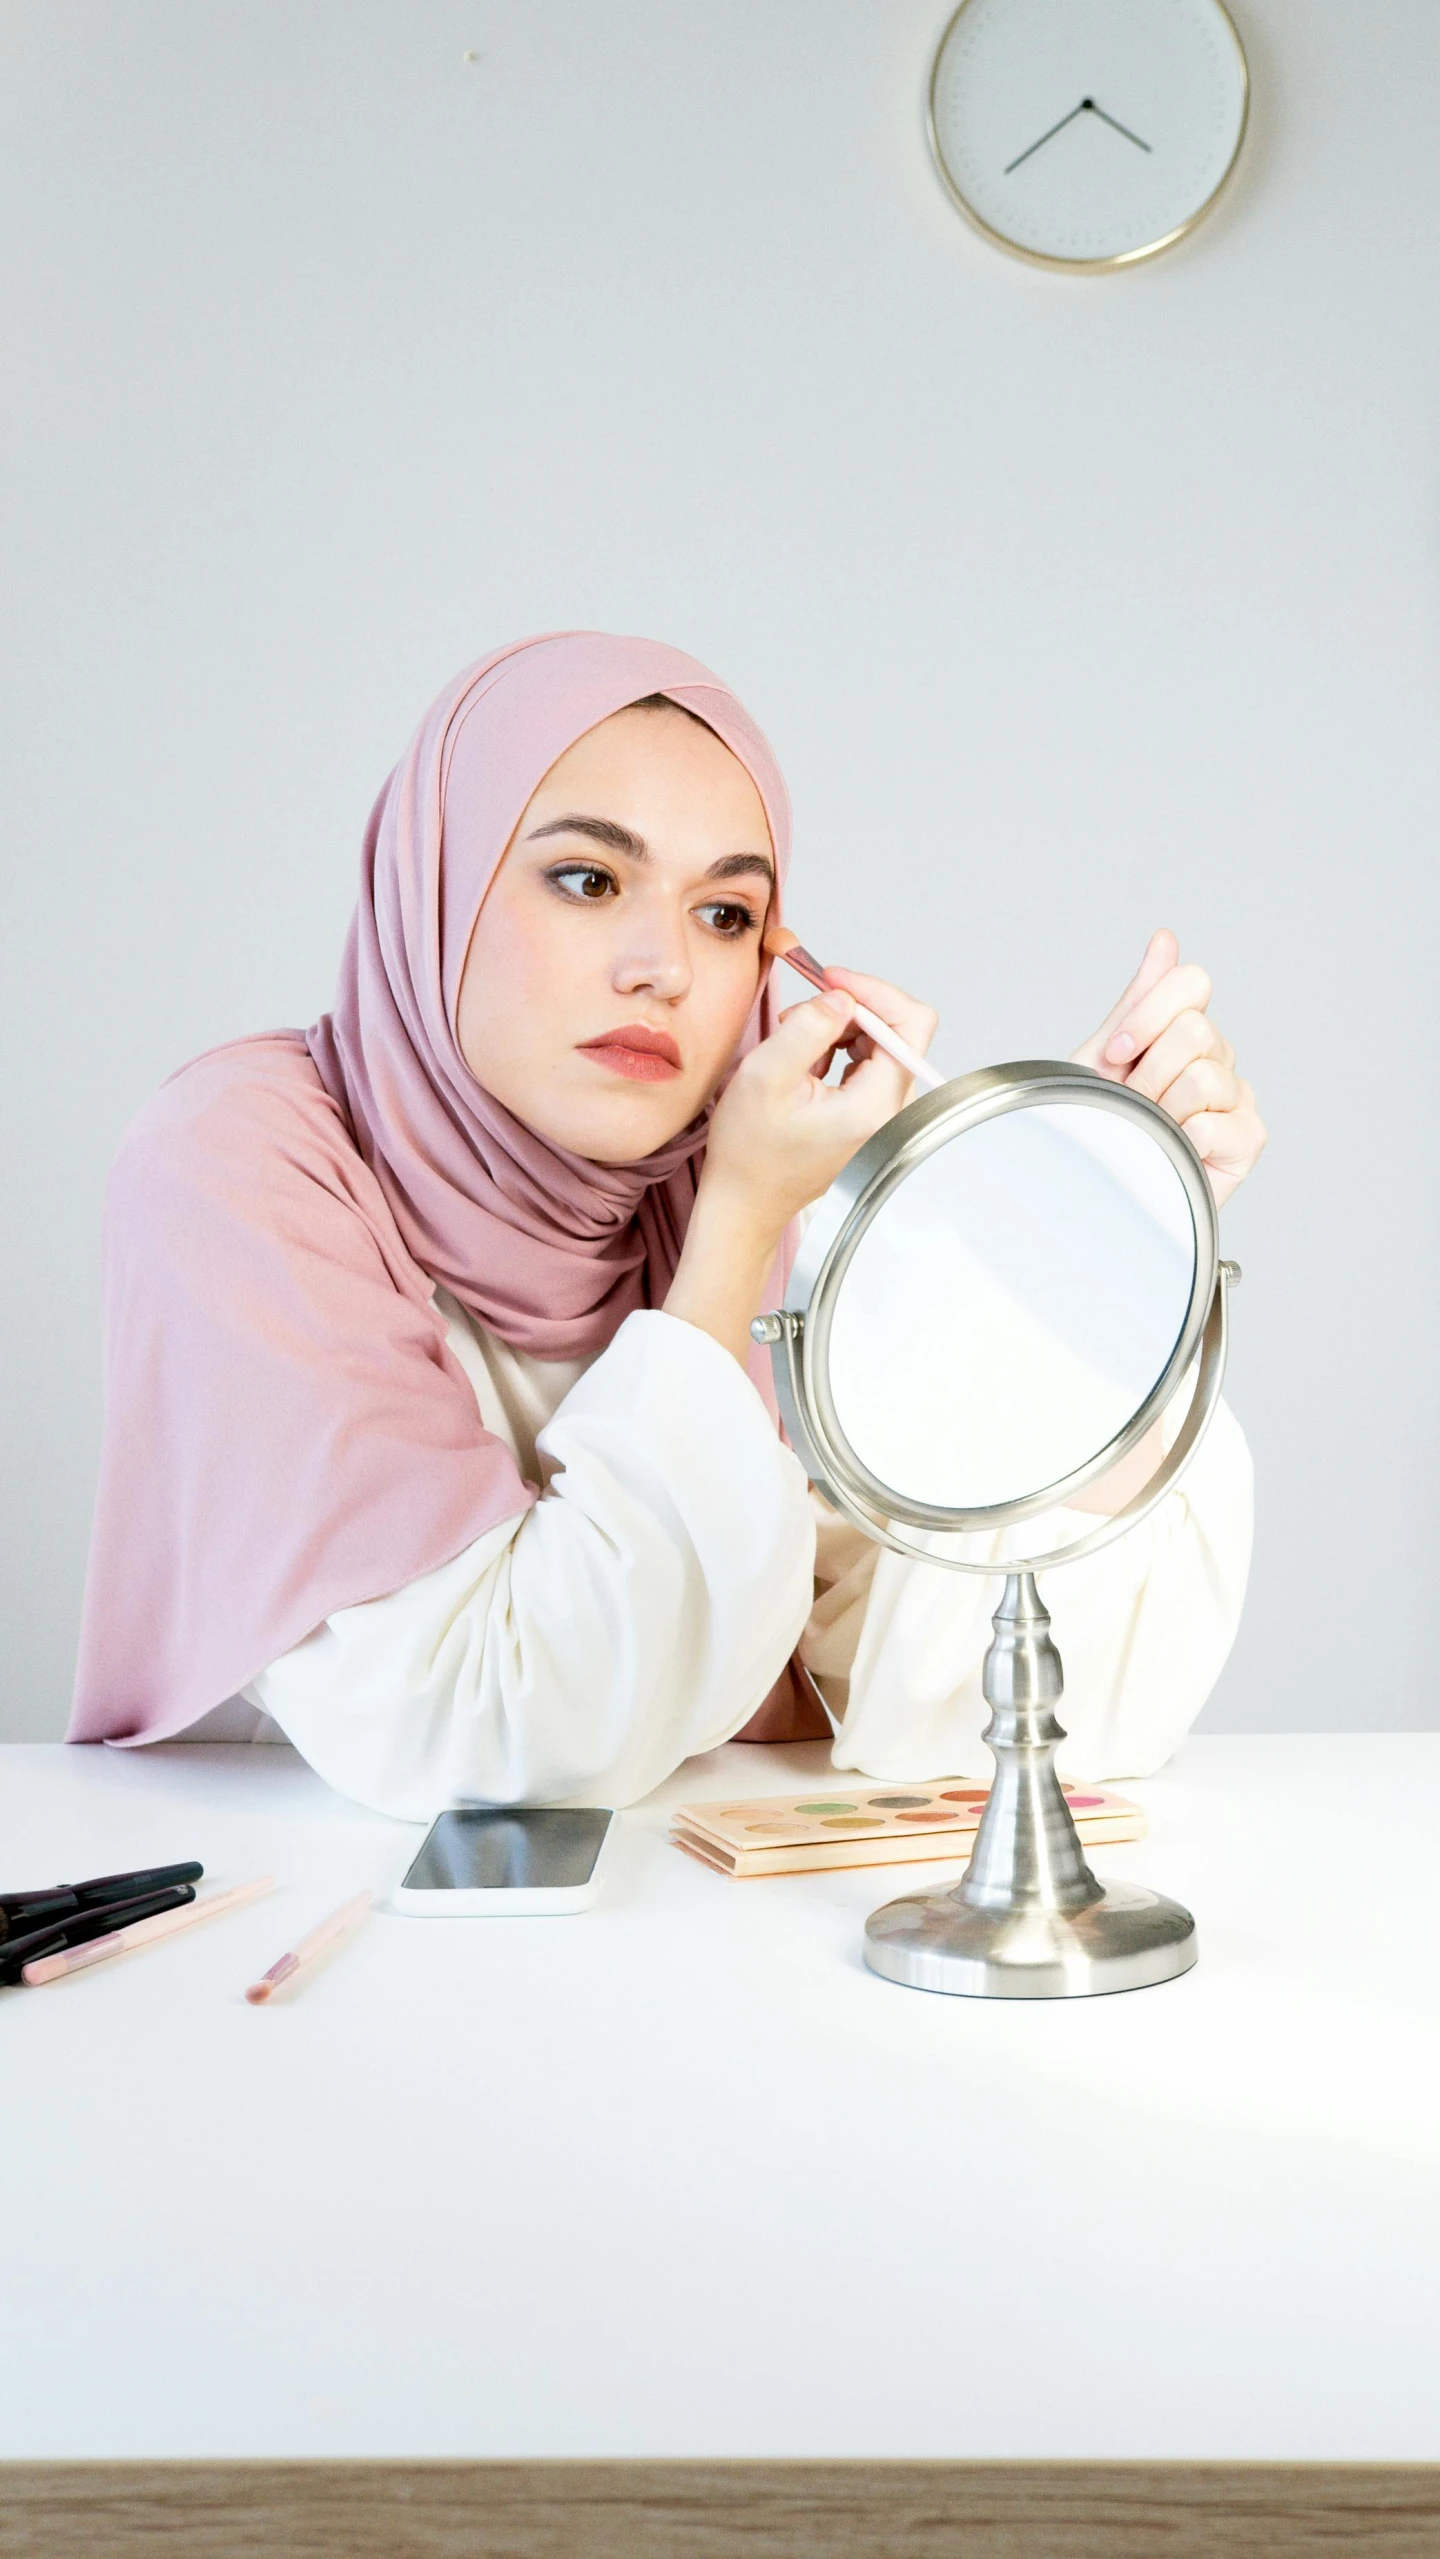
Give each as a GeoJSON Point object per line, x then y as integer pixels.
{"type": "Point", "coordinates": [718, 2509]}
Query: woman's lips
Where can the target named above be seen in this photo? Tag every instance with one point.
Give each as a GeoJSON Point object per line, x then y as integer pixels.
{"type": "Point", "coordinates": [646, 1056]}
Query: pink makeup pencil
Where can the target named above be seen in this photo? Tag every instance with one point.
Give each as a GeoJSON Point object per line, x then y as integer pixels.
{"type": "Point", "coordinates": [786, 946]}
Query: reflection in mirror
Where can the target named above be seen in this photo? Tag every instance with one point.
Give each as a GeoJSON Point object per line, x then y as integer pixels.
{"type": "Point", "coordinates": [1012, 1305]}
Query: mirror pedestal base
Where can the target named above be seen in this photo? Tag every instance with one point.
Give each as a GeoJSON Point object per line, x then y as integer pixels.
{"type": "Point", "coordinates": [1126, 1940]}
{"type": "Point", "coordinates": [1028, 1920]}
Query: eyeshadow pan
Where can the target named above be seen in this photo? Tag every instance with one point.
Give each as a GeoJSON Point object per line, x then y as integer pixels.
{"type": "Point", "coordinates": [1082, 1803]}
{"type": "Point", "coordinates": [892, 1803]}
{"type": "Point", "coordinates": [854, 1822]}
{"type": "Point", "coordinates": [827, 1804]}
{"type": "Point", "coordinates": [964, 1794]}
{"type": "Point", "coordinates": [947, 1818]}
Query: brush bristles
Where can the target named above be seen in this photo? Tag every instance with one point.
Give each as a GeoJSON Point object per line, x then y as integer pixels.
{"type": "Point", "coordinates": [784, 946]}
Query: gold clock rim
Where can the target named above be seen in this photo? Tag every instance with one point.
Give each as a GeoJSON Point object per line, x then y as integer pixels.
{"type": "Point", "coordinates": [1085, 266]}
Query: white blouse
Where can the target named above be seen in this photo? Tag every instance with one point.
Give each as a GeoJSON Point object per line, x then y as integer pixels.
{"type": "Point", "coordinates": [641, 1610]}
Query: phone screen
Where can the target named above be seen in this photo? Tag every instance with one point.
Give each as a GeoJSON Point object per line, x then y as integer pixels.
{"type": "Point", "coordinates": [508, 1847]}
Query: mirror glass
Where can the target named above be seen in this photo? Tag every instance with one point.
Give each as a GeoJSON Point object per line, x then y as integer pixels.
{"type": "Point", "coordinates": [1011, 1305]}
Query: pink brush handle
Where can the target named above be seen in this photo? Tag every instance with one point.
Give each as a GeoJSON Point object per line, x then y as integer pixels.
{"type": "Point", "coordinates": [903, 1054]}
{"type": "Point", "coordinates": [805, 965]}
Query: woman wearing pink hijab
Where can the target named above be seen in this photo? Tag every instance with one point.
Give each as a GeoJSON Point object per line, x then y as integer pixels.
{"type": "Point", "coordinates": [435, 1439]}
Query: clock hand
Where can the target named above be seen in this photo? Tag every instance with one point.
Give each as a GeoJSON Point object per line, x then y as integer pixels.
{"type": "Point", "coordinates": [1050, 136]}
{"type": "Point", "coordinates": [1087, 106]}
{"type": "Point", "coordinates": [1115, 125]}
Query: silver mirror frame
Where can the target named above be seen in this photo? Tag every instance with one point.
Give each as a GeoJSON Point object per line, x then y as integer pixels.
{"type": "Point", "coordinates": [799, 1332]}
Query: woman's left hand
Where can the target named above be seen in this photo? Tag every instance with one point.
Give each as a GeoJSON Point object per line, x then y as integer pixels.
{"type": "Point", "coordinates": [1160, 1039]}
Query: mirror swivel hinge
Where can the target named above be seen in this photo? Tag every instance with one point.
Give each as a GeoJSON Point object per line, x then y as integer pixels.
{"type": "Point", "coordinates": [777, 1327]}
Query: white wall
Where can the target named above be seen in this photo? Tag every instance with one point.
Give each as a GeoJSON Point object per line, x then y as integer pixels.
{"type": "Point", "coordinates": [332, 358]}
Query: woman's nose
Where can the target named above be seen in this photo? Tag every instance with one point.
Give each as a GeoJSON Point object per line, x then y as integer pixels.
{"type": "Point", "coordinates": [656, 962]}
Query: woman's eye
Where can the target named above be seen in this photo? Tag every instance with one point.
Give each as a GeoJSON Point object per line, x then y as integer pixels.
{"type": "Point", "coordinates": [727, 918]}
{"type": "Point", "coordinates": [583, 880]}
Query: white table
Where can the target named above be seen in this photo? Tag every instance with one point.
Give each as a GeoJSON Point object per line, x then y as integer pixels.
{"type": "Point", "coordinates": [679, 2178]}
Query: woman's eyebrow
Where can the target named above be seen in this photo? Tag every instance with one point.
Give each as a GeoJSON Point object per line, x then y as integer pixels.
{"type": "Point", "coordinates": [601, 830]}
{"type": "Point", "coordinates": [623, 839]}
{"type": "Point", "coordinates": [734, 866]}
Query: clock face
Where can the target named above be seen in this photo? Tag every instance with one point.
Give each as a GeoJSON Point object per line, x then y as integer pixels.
{"type": "Point", "coordinates": [1087, 133]}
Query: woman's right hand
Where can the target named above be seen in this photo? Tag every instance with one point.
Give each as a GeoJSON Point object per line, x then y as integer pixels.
{"type": "Point", "coordinates": [779, 1136]}
{"type": "Point", "coordinates": [780, 1133]}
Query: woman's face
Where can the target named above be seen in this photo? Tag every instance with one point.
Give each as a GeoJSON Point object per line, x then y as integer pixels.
{"type": "Point", "coordinates": [616, 956]}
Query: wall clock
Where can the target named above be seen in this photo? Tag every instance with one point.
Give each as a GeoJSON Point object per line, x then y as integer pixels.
{"type": "Point", "coordinates": [1086, 134]}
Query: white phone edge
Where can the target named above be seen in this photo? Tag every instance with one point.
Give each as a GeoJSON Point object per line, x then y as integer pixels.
{"type": "Point", "coordinates": [514, 1901]}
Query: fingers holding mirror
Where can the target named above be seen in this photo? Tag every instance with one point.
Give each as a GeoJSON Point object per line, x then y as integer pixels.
{"type": "Point", "coordinates": [1160, 1040]}
{"type": "Point", "coordinates": [1228, 1142]}
{"type": "Point", "coordinates": [1161, 955]}
{"type": "Point", "coordinates": [1189, 1040]}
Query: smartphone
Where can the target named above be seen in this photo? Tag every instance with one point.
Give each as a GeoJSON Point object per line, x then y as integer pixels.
{"type": "Point", "coordinates": [507, 1861]}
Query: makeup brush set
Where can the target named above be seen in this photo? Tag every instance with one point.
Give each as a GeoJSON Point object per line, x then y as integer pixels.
{"type": "Point", "coordinates": [62, 1917]}
{"type": "Point", "coordinates": [66, 1928]}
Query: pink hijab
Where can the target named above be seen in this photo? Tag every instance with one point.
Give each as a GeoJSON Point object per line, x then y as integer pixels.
{"type": "Point", "coordinates": [287, 1432]}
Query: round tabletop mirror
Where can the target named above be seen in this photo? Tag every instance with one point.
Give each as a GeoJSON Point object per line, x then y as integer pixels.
{"type": "Point", "coordinates": [1001, 1295]}
{"type": "Point", "coordinates": [1008, 1309]}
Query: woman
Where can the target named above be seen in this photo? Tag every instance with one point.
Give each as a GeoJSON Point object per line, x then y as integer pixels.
{"type": "Point", "coordinates": [435, 1436]}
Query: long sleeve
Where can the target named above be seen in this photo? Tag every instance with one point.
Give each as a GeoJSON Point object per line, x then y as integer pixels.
{"type": "Point", "coordinates": [1143, 1629]}
{"type": "Point", "coordinates": [637, 1614]}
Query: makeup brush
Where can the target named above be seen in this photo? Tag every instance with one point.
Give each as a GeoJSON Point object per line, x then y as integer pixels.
{"type": "Point", "coordinates": [788, 947]}
{"type": "Point", "coordinates": [339, 1924]}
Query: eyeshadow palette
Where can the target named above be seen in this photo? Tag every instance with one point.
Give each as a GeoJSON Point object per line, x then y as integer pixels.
{"type": "Point", "coordinates": [869, 1825]}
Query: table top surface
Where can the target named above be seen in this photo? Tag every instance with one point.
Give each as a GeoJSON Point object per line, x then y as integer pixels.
{"type": "Point", "coordinates": [678, 2177]}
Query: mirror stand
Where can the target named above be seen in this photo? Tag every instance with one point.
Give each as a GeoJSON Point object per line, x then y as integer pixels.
{"type": "Point", "coordinates": [1028, 1920]}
